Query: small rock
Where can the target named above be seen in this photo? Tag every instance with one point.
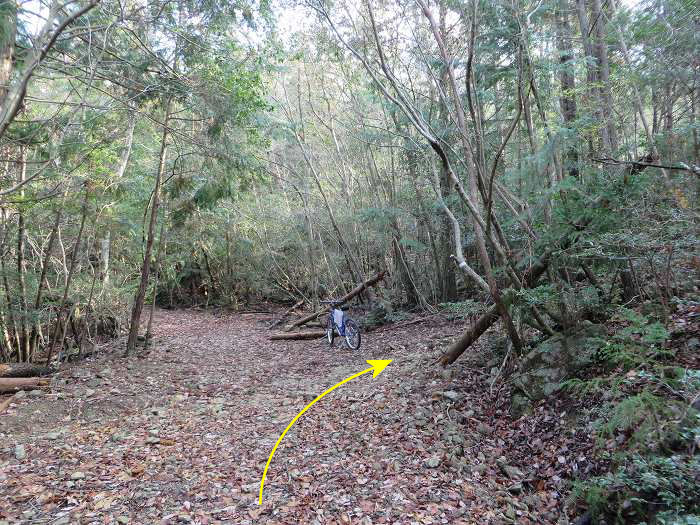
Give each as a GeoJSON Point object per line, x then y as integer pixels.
{"type": "Point", "coordinates": [483, 428]}
{"type": "Point", "coordinates": [89, 392]}
{"type": "Point", "coordinates": [94, 383]}
{"type": "Point", "coordinates": [123, 520]}
{"type": "Point", "coordinates": [53, 436]}
{"type": "Point", "coordinates": [516, 488]}
{"type": "Point", "coordinates": [36, 393]}
{"type": "Point", "coordinates": [481, 468]}
{"type": "Point", "coordinates": [21, 394]}
{"type": "Point", "coordinates": [106, 372]}
{"type": "Point", "coordinates": [433, 462]}
{"type": "Point", "coordinates": [152, 440]}
{"type": "Point", "coordinates": [447, 374]}
{"type": "Point", "coordinates": [65, 520]}
{"type": "Point", "coordinates": [20, 453]}
{"type": "Point", "coordinates": [451, 395]}
{"type": "Point", "coordinates": [250, 487]}
{"type": "Point", "coordinates": [77, 475]}
{"type": "Point", "coordinates": [511, 471]}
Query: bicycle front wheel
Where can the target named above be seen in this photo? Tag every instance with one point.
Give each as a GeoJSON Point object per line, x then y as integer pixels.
{"type": "Point", "coordinates": [352, 334]}
{"type": "Point", "coordinates": [330, 331]}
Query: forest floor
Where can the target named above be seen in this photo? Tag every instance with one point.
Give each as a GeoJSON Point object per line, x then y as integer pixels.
{"type": "Point", "coordinates": [182, 436]}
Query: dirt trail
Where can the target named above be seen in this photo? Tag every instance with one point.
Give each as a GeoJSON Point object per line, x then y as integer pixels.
{"type": "Point", "coordinates": [183, 435]}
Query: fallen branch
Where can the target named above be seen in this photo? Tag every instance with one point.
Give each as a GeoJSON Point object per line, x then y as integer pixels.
{"type": "Point", "coordinates": [311, 334]}
{"type": "Point", "coordinates": [641, 164]}
{"type": "Point", "coordinates": [492, 315]}
{"type": "Point", "coordinates": [353, 293]}
{"type": "Point", "coordinates": [13, 384]}
{"type": "Point", "coordinates": [285, 315]}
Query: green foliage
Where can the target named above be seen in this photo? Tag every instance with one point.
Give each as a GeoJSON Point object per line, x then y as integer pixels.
{"type": "Point", "coordinates": [462, 309]}
{"type": "Point", "coordinates": [659, 490]}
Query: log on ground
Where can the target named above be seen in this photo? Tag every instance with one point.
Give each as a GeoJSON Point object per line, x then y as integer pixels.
{"type": "Point", "coordinates": [24, 370]}
{"type": "Point", "coordinates": [14, 384]}
{"type": "Point", "coordinates": [309, 334]}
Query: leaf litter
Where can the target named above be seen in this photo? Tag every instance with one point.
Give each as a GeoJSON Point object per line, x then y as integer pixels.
{"type": "Point", "coordinates": [183, 435]}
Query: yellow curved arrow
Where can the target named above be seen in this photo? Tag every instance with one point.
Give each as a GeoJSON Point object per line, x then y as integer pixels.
{"type": "Point", "coordinates": [377, 366]}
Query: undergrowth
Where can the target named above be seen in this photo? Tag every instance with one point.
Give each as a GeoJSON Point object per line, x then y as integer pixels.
{"type": "Point", "coordinates": [647, 428]}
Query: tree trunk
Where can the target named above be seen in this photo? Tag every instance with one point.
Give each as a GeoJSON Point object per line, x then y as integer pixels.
{"type": "Point", "coordinates": [21, 264]}
{"type": "Point", "coordinates": [61, 325]}
{"type": "Point", "coordinates": [104, 257]}
{"type": "Point", "coordinates": [42, 279]}
{"type": "Point", "coordinates": [567, 99]}
{"type": "Point", "coordinates": [592, 93]}
{"type": "Point", "coordinates": [600, 49]}
{"type": "Point", "coordinates": [472, 182]}
{"type": "Point", "coordinates": [146, 266]}
{"type": "Point", "coordinates": [8, 10]}
{"type": "Point", "coordinates": [159, 255]}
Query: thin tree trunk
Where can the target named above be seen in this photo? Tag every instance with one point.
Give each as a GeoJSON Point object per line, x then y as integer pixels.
{"type": "Point", "coordinates": [104, 257]}
{"type": "Point", "coordinates": [159, 257]}
{"type": "Point", "coordinates": [7, 48]}
{"type": "Point", "coordinates": [60, 324]}
{"type": "Point", "coordinates": [146, 266]}
{"type": "Point", "coordinates": [600, 49]}
{"type": "Point", "coordinates": [567, 99]}
{"type": "Point", "coordinates": [42, 279]}
{"type": "Point", "coordinates": [21, 264]}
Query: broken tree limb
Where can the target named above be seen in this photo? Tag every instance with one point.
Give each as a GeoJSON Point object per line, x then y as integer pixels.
{"type": "Point", "coordinates": [311, 334]}
{"type": "Point", "coordinates": [353, 293]}
{"type": "Point", "coordinates": [488, 319]}
{"type": "Point", "coordinates": [14, 384]}
{"type": "Point", "coordinates": [285, 314]}
{"type": "Point", "coordinates": [24, 370]}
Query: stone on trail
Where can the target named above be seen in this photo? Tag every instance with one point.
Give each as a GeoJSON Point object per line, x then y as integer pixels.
{"type": "Point", "coordinates": [483, 428]}
{"type": "Point", "coordinates": [20, 453]}
{"type": "Point", "coordinates": [77, 475]}
{"type": "Point", "coordinates": [36, 393]}
{"type": "Point", "coordinates": [434, 462]}
{"type": "Point", "coordinates": [451, 395]}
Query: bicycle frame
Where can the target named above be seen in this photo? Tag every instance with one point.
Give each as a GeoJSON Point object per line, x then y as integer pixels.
{"type": "Point", "coordinates": [337, 313]}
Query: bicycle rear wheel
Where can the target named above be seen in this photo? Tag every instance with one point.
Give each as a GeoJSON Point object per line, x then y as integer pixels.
{"type": "Point", "coordinates": [352, 334]}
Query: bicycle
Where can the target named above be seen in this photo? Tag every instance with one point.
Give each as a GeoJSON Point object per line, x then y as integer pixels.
{"type": "Point", "coordinates": [343, 325]}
